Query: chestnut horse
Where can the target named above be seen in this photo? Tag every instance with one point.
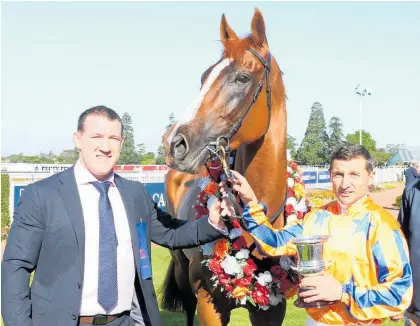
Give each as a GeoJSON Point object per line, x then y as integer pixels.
{"type": "Point", "coordinates": [232, 103]}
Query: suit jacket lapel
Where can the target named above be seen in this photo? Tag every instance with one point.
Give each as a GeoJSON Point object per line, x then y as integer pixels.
{"type": "Point", "coordinates": [71, 198]}
{"type": "Point", "coordinates": [128, 200]}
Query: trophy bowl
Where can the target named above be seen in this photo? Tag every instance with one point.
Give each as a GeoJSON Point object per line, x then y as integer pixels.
{"type": "Point", "coordinates": [310, 263]}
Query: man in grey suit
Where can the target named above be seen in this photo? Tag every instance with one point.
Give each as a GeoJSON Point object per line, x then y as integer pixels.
{"type": "Point", "coordinates": [87, 232]}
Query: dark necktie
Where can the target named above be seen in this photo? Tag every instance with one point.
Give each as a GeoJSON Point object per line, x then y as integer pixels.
{"type": "Point", "coordinates": [108, 279]}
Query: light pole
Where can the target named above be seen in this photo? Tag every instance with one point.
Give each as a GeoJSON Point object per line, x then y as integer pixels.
{"type": "Point", "coordinates": [362, 91]}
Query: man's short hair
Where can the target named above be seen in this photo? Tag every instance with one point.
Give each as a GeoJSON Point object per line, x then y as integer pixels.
{"type": "Point", "coordinates": [349, 151]}
{"type": "Point", "coordinates": [102, 111]}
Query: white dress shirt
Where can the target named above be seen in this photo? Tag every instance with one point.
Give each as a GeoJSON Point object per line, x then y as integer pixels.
{"type": "Point", "coordinates": [89, 197]}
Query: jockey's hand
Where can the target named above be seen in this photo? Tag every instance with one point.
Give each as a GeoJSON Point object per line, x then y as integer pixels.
{"type": "Point", "coordinates": [242, 187]}
{"type": "Point", "coordinates": [325, 287]}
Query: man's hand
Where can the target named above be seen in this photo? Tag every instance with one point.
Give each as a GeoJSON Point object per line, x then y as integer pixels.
{"type": "Point", "coordinates": [218, 208]}
{"type": "Point", "coordinates": [325, 287]}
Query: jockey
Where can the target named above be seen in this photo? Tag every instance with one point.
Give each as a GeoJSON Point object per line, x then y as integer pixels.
{"type": "Point", "coordinates": [369, 276]}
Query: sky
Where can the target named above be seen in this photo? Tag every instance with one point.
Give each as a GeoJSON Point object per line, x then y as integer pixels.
{"type": "Point", "coordinates": [146, 58]}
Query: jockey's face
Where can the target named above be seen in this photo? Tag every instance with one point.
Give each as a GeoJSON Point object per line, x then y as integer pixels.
{"type": "Point", "coordinates": [350, 180]}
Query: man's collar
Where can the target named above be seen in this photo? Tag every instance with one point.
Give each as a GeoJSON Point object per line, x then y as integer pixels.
{"type": "Point", "coordinates": [355, 207]}
{"type": "Point", "coordinates": [83, 175]}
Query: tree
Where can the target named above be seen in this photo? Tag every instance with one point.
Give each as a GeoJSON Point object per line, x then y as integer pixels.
{"type": "Point", "coordinates": [161, 155]}
{"type": "Point", "coordinates": [336, 135]}
{"type": "Point", "coordinates": [128, 152]}
{"type": "Point", "coordinates": [367, 141]}
{"type": "Point", "coordinates": [68, 156]}
{"type": "Point", "coordinates": [380, 157]}
{"type": "Point", "coordinates": [292, 145]}
{"type": "Point", "coordinates": [148, 158]}
{"type": "Point", "coordinates": [314, 147]}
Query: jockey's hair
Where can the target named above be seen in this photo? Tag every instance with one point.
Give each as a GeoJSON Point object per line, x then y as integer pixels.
{"type": "Point", "coordinates": [348, 151]}
{"type": "Point", "coordinates": [101, 110]}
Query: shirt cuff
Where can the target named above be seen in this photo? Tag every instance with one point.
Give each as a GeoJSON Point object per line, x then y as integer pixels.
{"type": "Point", "coordinates": [223, 231]}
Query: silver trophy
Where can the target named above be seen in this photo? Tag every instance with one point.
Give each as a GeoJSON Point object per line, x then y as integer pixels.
{"type": "Point", "coordinates": [310, 262]}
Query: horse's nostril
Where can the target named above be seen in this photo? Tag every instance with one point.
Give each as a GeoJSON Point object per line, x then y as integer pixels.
{"type": "Point", "coordinates": [179, 146]}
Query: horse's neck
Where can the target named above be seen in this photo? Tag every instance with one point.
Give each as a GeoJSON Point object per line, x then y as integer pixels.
{"type": "Point", "coordinates": [264, 164]}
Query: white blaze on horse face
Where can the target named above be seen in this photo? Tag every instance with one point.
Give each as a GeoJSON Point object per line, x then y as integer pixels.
{"type": "Point", "coordinates": [193, 108]}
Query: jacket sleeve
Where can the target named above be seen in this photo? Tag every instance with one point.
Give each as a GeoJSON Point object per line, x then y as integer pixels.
{"type": "Point", "coordinates": [174, 233]}
{"type": "Point", "coordinates": [404, 213]}
{"type": "Point", "coordinates": [270, 241]}
{"type": "Point", "coordinates": [21, 258]}
{"type": "Point", "coordinates": [393, 293]}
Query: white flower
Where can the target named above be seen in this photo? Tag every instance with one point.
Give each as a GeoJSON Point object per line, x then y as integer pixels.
{"type": "Point", "coordinates": [275, 299]}
{"type": "Point", "coordinates": [265, 307]}
{"type": "Point", "coordinates": [290, 182]}
{"type": "Point", "coordinates": [291, 218]}
{"type": "Point", "coordinates": [242, 254]}
{"type": "Point", "coordinates": [301, 206]}
{"type": "Point", "coordinates": [264, 278]}
{"type": "Point", "coordinates": [291, 201]}
{"type": "Point", "coordinates": [235, 233]}
{"type": "Point", "coordinates": [285, 262]}
{"type": "Point", "coordinates": [243, 301]}
{"type": "Point", "coordinates": [231, 266]}
{"type": "Point", "coordinates": [208, 248]}
{"type": "Point", "coordinates": [289, 169]}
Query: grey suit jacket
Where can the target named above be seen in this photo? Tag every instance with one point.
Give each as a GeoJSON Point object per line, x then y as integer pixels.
{"type": "Point", "coordinates": [47, 235]}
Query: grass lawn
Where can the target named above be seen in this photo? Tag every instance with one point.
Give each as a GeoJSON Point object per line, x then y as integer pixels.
{"type": "Point", "coordinates": [239, 317]}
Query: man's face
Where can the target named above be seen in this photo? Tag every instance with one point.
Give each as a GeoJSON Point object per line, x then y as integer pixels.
{"type": "Point", "coordinates": [100, 145]}
{"type": "Point", "coordinates": [350, 180]}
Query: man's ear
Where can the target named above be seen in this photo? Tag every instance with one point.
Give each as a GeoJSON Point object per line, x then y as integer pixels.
{"type": "Point", "coordinates": [76, 140]}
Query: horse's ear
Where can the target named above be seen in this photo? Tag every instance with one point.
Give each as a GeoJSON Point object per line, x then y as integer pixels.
{"type": "Point", "coordinates": [258, 29]}
{"type": "Point", "coordinates": [226, 33]}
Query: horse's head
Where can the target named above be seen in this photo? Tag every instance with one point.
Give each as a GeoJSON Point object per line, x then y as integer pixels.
{"type": "Point", "coordinates": [228, 104]}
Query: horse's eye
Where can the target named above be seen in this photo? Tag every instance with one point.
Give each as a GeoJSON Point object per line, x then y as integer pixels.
{"type": "Point", "coordinates": [242, 78]}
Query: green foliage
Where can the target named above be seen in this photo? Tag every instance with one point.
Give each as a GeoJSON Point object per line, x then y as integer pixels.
{"type": "Point", "coordinates": [398, 201]}
{"type": "Point", "coordinates": [161, 156]}
{"type": "Point", "coordinates": [148, 158]}
{"type": "Point", "coordinates": [336, 135]}
{"type": "Point", "coordinates": [5, 214]}
{"type": "Point", "coordinates": [380, 157]}
{"type": "Point", "coordinates": [314, 147]}
{"type": "Point", "coordinates": [128, 152]}
{"type": "Point", "coordinates": [292, 145]}
{"type": "Point", "coordinates": [367, 140]}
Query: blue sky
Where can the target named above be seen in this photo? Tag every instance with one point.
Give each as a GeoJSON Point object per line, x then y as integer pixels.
{"type": "Point", "coordinates": [145, 58]}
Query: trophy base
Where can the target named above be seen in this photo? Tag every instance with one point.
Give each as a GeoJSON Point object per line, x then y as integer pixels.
{"type": "Point", "coordinates": [316, 304]}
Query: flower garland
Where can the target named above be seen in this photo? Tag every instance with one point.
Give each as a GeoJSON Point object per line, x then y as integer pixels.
{"type": "Point", "coordinates": [234, 270]}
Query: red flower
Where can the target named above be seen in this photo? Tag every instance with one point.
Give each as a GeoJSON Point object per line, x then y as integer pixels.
{"type": "Point", "coordinates": [201, 210]}
{"type": "Point", "coordinates": [260, 295]}
{"type": "Point", "coordinates": [224, 279]}
{"type": "Point", "coordinates": [300, 214]}
{"type": "Point", "coordinates": [235, 224]}
{"type": "Point", "coordinates": [288, 174]}
{"type": "Point", "coordinates": [294, 166]}
{"type": "Point", "coordinates": [250, 267]}
{"type": "Point", "coordinates": [298, 179]}
{"type": "Point", "coordinates": [290, 192]}
{"type": "Point", "coordinates": [215, 267]}
{"type": "Point", "coordinates": [244, 281]}
{"type": "Point", "coordinates": [239, 244]}
{"type": "Point", "coordinates": [289, 209]}
{"type": "Point", "coordinates": [229, 288]}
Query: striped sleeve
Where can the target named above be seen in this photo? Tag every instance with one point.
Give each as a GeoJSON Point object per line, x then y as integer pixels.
{"type": "Point", "coordinates": [270, 241]}
{"type": "Point", "coordinates": [393, 293]}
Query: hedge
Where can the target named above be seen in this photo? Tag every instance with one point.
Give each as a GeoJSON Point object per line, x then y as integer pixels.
{"type": "Point", "coordinates": [5, 216]}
